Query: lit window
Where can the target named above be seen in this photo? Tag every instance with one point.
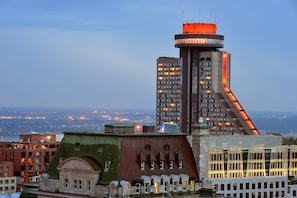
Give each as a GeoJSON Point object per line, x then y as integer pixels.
{"type": "Point", "coordinates": [161, 165]}
{"type": "Point", "coordinates": [142, 165]}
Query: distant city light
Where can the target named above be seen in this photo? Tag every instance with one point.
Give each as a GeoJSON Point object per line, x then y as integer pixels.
{"type": "Point", "coordinates": [82, 117]}
{"type": "Point", "coordinates": [70, 118]}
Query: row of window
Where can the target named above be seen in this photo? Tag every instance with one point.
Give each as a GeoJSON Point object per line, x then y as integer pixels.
{"type": "Point", "coordinates": [152, 165]}
{"type": "Point", "coordinates": [169, 92]}
{"type": "Point", "coordinates": [168, 64]}
{"type": "Point", "coordinates": [213, 114]}
{"type": "Point", "coordinates": [7, 188]}
{"type": "Point", "coordinates": [169, 69]}
{"type": "Point", "coordinates": [172, 88]}
{"type": "Point", "coordinates": [169, 77]}
{"type": "Point", "coordinates": [170, 113]}
{"type": "Point", "coordinates": [205, 58]}
{"type": "Point", "coordinates": [247, 186]}
{"type": "Point", "coordinates": [165, 99]}
{"type": "Point", "coordinates": [7, 181]}
{"type": "Point", "coordinates": [77, 184]}
{"type": "Point", "coordinates": [258, 194]}
{"type": "Point", "coordinates": [170, 82]}
{"type": "Point", "coordinates": [166, 105]}
{"type": "Point", "coordinates": [173, 73]}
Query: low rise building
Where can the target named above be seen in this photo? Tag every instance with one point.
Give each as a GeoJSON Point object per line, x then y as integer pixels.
{"type": "Point", "coordinates": [122, 163]}
{"type": "Point", "coordinates": [30, 156]}
{"type": "Point", "coordinates": [8, 182]}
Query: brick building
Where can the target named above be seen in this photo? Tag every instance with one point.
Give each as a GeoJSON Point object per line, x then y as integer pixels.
{"type": "Point", "coordinates": [30, 156]}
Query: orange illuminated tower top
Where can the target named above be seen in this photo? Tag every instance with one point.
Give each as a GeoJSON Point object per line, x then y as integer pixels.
{"type": "Point", "coordinates": [199, 35]}
{"type": "Point", "coordinates": [199, 28]}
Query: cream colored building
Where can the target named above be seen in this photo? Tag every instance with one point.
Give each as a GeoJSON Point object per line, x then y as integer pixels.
{"type": "Point", "coordinates": [250, 166]}
{"type": "Point", "coordinates": [8, 184]}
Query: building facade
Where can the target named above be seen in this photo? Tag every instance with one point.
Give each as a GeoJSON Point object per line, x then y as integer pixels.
{"type": "Point", "coordinates": [115, 164]}
{"type": "Point", "coordinates": [168, 96]}
{"type": "Point", "coordinates": [250, 166]}
{"type": "Point", "coordinates": [30, 156]}
{"type": "Point", "coordinates": [8, 182]}
{"type": "Point", "coordinates": [205, 83]}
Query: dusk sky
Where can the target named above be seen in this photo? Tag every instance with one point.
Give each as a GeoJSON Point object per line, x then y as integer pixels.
{"type": "Point", "coordinates": [102, 54]}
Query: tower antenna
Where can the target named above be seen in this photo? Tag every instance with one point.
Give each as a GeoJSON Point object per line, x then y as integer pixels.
{"type": "Point", "coordinates": [183, 11]}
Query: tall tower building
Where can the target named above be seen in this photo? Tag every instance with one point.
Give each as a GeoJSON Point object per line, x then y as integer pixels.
{"type": "Point", "coordinates": [168, 97]}
{"type": "Point", "coordinates": [205, 83]}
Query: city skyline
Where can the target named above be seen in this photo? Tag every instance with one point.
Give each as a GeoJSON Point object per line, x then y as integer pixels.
{"type": "Point", "coordinates": [103, 55]}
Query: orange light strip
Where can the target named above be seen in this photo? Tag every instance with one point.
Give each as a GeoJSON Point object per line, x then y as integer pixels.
{"type": "Point", "coordinates": [255, 132]}
{"type": "Point", "coordinates": [237, 106]}
{"type": "Point", "coordinates": [243, 114]}
{"type": "Point", "coordinates": [232, 97]}
{"type": "Point", "coordinates": [224, 69]}
{"type": "Point", "coordinates": [250, 124]}
{"type": "Point", "coordinates": [199, 28]}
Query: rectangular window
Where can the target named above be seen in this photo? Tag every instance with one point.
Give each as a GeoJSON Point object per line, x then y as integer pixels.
{"type": "Point", "coordinates": [89, 185]}
{"type": "Point", "coordinates": [259, 185]}
{"type": "Point", "coordinates": [171, 165]}
{"type": "Point", "coordinates": [146, 187]}
{"type": "Point", "coordinates": [66, 183]}
{"type": "Point", "coordinates": [241, 186]}
{"type": "Point", "coordinates": [161, 165]}
{"type": "Point", "coordinates": [265, 184]}
{"type": "Point", "coordinates": [80, 184]}
{"type": "Point", "coordinates": [107, 166]}
{"type": "Point", "coordinates": [234, 186]}
{"type": "Point", "coordinates": [216, 187]}
{"type": "Point", "coordinates": [180, 164]}
{"type": "Point", "coordinates": [75, 184]}
{"type": "Point", "coordinates": [142, 165]}
{"type": "Point", "coordinates": [152, 165]}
